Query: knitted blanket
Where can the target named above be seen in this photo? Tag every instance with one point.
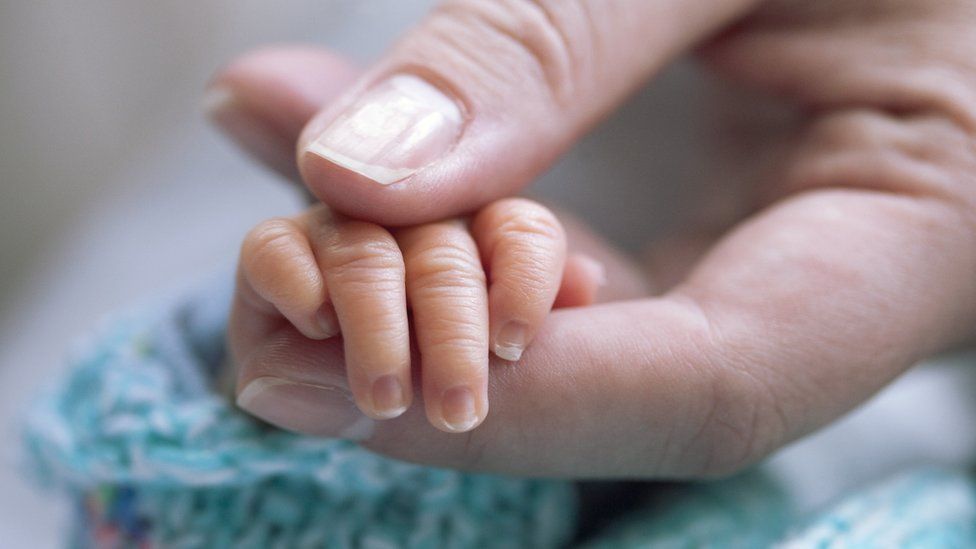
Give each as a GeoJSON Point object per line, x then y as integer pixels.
{"type": "Point", "coordinates": [153, 457]}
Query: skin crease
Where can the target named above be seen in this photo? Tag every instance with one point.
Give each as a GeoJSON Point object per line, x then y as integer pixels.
{"type": "Point", "coordinates": [321, 272]}
{"type": "Point", "coordinates": [857, 261]}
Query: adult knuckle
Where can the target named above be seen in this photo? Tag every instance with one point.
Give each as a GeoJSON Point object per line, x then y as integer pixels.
{"type": "Point", "coordinates": [745, 416]}
{"type": "Point", "coordinates": [923, 154]}
{"type": "Point", "coordinates": [745, 422]}
{"type": "Point", "coordinates": [523, 38]}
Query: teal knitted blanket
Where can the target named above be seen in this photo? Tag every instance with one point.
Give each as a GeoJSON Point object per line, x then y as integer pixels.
{"type": "Point", "coordinates": [153, 457]}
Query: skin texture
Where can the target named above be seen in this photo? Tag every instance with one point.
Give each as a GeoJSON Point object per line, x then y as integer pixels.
{"type": "Point", "coordinates": [324, 274]}
{"type": "Point", "coordinates": [855, 260]}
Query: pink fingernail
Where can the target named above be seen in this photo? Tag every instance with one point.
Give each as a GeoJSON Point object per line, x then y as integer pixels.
{"type": "Point", "coordinates": [595, 269]}
{"type": "Point", "coordinates": [395, 129]}
{"type": "Point", "coordinates": [389, 398]}
{"type": "Point", "coordinates": [459, 410]}
{"type": "Point", "coordinates": [306, 408]}
{"type": "Point", "coordinates": [511, 341]}
{"type": "Point", "coordinates": [328, 321]}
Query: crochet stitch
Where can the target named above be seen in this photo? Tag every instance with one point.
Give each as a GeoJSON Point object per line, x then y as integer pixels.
{"type": "Point", "coordinates": [156, 459]}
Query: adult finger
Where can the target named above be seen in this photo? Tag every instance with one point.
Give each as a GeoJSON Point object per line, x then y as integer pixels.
{"type": "Point", "coordinates": [263, 99]}
{"type": "Point", "coordinates": [482, 96]}
{"type": "Point", "coordinates": [795, 318]}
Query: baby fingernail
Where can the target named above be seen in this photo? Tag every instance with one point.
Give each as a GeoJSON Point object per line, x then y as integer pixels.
{"type": "Point", "coordinates": [306, 408]}
{"type": "Point", "coordinates": [458, 409]}
{"type": "Point", "coordinates": [511, 341]}
{"type": "Point", "coordinates": [389, 398]}
{"type": "Point", "coordinates": [328, 321]}
{"type": "Point", "coordinates": [391, 132]}
{"type": "Point", "coordinates": [596, 270]}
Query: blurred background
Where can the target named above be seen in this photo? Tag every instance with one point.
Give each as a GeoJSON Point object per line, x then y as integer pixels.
{"type": "Point", "coordinates": [113, 188]}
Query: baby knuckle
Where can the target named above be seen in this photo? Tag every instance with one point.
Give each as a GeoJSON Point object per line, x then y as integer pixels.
{"type": "Point", "coordinates": [523, 219]}
{"type": "Point", "coordinates": [445, 266]}
{"type": "Point", "coordinates": [527, 280]}
{"type": "Point", "coordinates": [370, 259]}
{"type": "Point", "coordinates": [388, 327]}
{"type": "Point", "coordinates": [462, 337]}
{"type": "Point", "coordinates": [270, 242]}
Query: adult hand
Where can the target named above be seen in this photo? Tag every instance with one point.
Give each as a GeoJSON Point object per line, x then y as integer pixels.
{"type": "Point", "coordinates": [860, 261]}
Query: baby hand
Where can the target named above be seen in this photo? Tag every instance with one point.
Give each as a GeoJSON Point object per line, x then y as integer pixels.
{"type": "Point", "coordinates": [470, 287]}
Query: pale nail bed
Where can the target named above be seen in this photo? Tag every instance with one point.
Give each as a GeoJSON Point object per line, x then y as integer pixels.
{"type": "Point", "coordinates": [389, 398]}
{"type": "Point", "coordinates": [458, 409]}
{"type": "Point", "coordinates": [510, 341]}
{"type": "Point", "coordinates": [306, 408]}
{"type": "Point", "coordinates": [392, 131]}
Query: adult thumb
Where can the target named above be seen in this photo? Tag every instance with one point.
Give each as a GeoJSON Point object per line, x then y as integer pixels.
{"type": "Point", "coordinates": [482, 96]}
